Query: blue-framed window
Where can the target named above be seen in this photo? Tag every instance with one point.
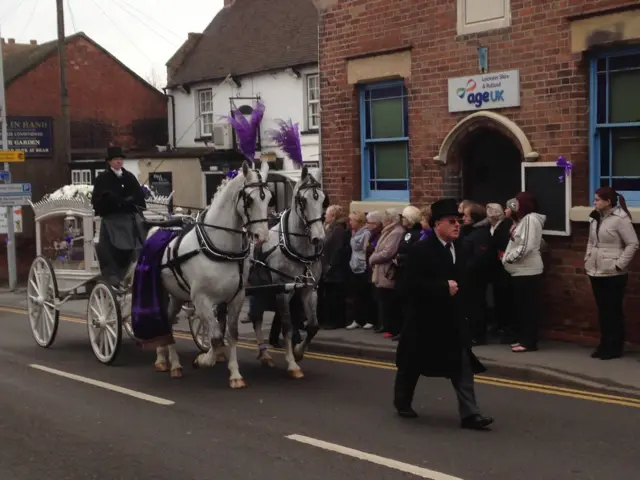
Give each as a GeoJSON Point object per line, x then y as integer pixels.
{"type": "Point", "coordinates": [384, 140]}
{"type": "Point", "coordinates": [615, 123]}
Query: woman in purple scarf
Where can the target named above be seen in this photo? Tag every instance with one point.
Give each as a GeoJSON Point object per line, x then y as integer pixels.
{"type": "Point", "coordinates": [424, 221]}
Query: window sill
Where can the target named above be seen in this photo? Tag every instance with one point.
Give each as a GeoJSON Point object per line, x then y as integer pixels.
{"type": "Point", "coordinates": [581, 214]}
{"type": "Point", "coordinates": [310, 132]}
{"type": "Point", "coordinates": [376, 205]}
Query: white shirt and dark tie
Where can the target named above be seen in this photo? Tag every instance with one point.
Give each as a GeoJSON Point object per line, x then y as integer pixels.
{"type": "Point", "coordinates": [449, 246]}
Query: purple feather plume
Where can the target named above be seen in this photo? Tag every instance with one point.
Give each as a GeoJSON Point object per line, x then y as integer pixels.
{"type": "Point", "coordinates": [247, 130]}
{"type": "Point", "coordinates": [288, 139]}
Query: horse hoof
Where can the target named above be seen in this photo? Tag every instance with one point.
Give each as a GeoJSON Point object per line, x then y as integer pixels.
{"type": "Point", "coordinates": [297, 373]}
{"type": "Point", "coordinates": [195, 364]}
{"type": "Point", "coordinates": [221, 357]}
{"type": "Point", "coordinates": [176, 373]}
{"type": "Point", "coordinates": [161, 367]}
{"type": "Point", "coordinates": [237, 383]}
{"type": "Point", "coordinates": [298, 354]}
{"type": "Point", "coordinates": [268, 362]}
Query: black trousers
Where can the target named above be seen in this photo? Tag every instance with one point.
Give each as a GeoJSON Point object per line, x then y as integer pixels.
{"type": "Point", "coordinates": [462, 382]}
{"type": "Point", "coordinates": [608, 293]}
{"type": "Point", "coordinates": [114, 262]}
{"type": "Point", "coordinates": [361, 297]}
{"type": "Point", "coordinates": [526, 297]}
{"type": "Point", "coordinates": [276, 329]}
{"type": "Point", "coordinates": [390, 318]}
{"type": "Point", "coordinates": [476, 307]}
{"type": "Point", "coordinates": [503, 301]}
{"type": "Point", "coordinates": [332, 305]}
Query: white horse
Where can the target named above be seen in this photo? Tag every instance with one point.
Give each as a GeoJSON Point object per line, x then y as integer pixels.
{"type": "Point", "coordinates": [209, 266]}
{"type": "Point", "coordinates": [292, 253]}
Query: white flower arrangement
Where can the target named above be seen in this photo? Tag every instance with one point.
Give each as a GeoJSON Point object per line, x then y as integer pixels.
{"type": "Point", "coordinates": [71, 191]}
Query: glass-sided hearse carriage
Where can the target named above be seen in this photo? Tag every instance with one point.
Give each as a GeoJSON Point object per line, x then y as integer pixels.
{"type": "Point", "coordinates": [66, 268]}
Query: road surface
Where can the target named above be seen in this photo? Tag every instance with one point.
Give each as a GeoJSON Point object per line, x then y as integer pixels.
{"type": "Point", "coordinates": [336, 423]}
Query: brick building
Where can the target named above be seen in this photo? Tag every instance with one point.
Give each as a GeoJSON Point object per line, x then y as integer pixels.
{"type": "Point", "coordinates": [408, 116]}
{"type": "Point", "coordinates": [109, 103]}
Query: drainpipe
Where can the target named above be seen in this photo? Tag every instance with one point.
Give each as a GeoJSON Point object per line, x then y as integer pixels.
{"type": "Point", "coordinates": [173, 117]}
{"type": "Point", "coordinates": [320, 78]}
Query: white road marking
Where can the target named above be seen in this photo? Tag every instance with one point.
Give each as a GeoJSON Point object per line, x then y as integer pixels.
{"type": "Point", "coordinates": [106, 386]}
{"type": "Point", "coordinates": [385, 462]}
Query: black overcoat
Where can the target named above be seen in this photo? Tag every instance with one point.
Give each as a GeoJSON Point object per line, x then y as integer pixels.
{"type": "Point", "coordinates": [436, 331]}
{"type": "Point", "coordinates": [113, 194]}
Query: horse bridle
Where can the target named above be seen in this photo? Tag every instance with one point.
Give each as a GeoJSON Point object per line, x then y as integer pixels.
{"type": "Point", "coordinates": [301, 204]}
{"type": "Point", "coordinates": [247, 200]}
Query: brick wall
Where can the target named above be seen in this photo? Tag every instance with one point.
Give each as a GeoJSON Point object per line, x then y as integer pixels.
{"type": "Point", "coordinates": [101, 90]}
{"type": "Point", "coordinates": [553, 113]}
{"type": "Point", "coordinates": [103, 95]}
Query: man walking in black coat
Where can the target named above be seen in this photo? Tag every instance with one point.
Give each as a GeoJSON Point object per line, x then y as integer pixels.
{"type": "Point", "coordinates": [436, 339]}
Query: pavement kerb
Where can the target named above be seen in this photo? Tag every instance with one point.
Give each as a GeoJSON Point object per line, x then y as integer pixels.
{"type": "Point", "coordinates": [524, 373]}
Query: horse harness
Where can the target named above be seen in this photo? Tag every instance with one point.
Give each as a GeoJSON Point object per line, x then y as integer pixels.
{"type": "Point", "coordinates": [206, 246]}
{"type": "Point", "coordinates": [284, 241]}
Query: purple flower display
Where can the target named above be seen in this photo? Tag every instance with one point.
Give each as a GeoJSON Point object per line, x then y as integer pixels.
{"type": "Point", "coordinates": [563, 162]}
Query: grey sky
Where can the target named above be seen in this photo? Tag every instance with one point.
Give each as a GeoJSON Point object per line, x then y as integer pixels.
{"type": "Point", "coordinates": [142, 34]}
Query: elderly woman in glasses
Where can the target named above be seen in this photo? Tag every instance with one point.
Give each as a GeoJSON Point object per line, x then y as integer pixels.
{"type": "Point", "coordinates": [411, 218]}
{"type": "Point", "coordinates": [381, 262]}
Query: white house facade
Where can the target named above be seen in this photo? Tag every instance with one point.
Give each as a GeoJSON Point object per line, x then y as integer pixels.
{"type": "Point", "coordinates": [252, 50]}
{"type": "Point", "coordinates": [287, 94]}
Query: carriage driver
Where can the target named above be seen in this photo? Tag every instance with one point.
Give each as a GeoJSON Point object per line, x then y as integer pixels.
{"type": "Point", "coordinates": [119, 201]}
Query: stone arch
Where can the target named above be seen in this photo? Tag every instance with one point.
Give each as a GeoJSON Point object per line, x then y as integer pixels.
{"type": "Point", "coordinates": [486, 119]}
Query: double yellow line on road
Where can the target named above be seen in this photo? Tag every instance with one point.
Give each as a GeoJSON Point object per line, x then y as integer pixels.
{"type": "Point", "coordinates": [483, 379]}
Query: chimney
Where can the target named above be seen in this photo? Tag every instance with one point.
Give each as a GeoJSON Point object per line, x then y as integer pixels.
{"type": "Point", "coordinates": [11, 46]}
{"type": "Point", "coordinates": [228, 3]}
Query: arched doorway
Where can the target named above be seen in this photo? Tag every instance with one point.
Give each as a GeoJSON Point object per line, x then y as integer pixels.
{"type": "Point", "coordinates": [482, 156]}
{"type": "Point", "coordinates": [490, 164]}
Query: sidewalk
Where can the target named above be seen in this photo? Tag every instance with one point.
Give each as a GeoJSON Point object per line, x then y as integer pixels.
{"type": "Point", "coordinates": [556, 362]}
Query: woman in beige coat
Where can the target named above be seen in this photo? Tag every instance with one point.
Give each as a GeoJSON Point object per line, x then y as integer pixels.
{"type": "Point", "coordinates": [381, 262]}
{"type": "Point", "coordinates": [612, 244]}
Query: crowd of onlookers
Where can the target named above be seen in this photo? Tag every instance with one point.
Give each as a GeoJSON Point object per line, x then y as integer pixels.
{"type": "Point", "coordinates": [363, 283]}
{"type": "Point", "coordinates": [364, 262]}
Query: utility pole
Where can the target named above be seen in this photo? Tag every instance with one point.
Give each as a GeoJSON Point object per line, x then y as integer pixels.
{"type": "Point", "coordinates": [64, 93]}
{"type": "Point", "coordinates": [11, 234]}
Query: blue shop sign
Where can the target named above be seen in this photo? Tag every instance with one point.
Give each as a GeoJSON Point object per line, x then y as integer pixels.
{"type": "Point", "coordinates": [34, 135]}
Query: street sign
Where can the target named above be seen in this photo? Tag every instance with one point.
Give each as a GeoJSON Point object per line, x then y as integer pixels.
{"type": "Point", "coordinates": [5, 176]}
{"type": "Point", "coordinates": [14, 201]}
{"type": "Point", "coordinates": [15, 194]}
{"type": "Point", "coordinates": [15, 189]}
{"type": "Point", "coordinates": [11, 156]}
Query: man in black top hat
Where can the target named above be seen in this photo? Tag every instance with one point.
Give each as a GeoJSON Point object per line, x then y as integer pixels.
{"type": "Point", "coordinates": [119, 201]}
{"type": "Point", "coordinates": [436, 338]}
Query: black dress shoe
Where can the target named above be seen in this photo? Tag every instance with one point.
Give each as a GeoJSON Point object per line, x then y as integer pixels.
{"type": "Point", "coordinates": [476, 422]}
{"type": "Point", "coordinates": [609, 356]}
{"type": "Point", "coordinates": [407, 412]}
{"type": "Point", "coordinates": [596, 354]}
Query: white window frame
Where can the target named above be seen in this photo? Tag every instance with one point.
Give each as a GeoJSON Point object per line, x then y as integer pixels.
{"type": "Point", "coordinates": [465, 29]}
{"type": "Point", "coordinates": [312, 119]}
{"type": "Point", "coordinates": [81, 177]}
{"type": "Point", "coordinates": [205, 115]}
